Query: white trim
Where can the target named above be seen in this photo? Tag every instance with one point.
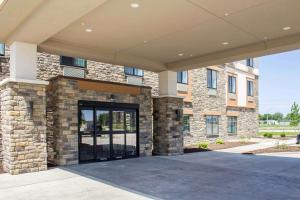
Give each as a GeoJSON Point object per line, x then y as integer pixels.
{"type": "Point", "coordinates": [38, 82]}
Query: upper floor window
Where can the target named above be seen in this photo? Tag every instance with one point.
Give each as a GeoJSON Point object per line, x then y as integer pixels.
{"type": "Point", "coordinates": [212, 78]}
{"type": "Point", "coordinates": [182, 77]}
{"type": "Point", "coordinates": [232, 84]}
{"type": "Point", "coordinates": [250, 62]}
{"type": "Point", "coordinates": [250, 91]}
{"type": "Point", "coordinates": [2, 49]}
{"type": "Point", "coordinates": [70, 61]}
{"type": "Point", "coordinates": [133, 71]}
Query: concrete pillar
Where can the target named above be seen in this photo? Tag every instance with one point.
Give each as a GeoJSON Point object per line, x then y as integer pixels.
{"type": "Point", "coordinates": [167, 117]}
{"type": "Point", "coordinates": [23, 113]}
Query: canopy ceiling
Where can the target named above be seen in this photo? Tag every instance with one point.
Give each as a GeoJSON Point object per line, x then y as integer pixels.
{"type": "Point", "coordinates": [154, 34]}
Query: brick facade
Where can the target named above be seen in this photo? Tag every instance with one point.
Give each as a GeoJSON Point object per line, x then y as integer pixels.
{"type": "Point", "coordinates": [62, 107]}
{"type": "Point", "coordinates": [201, 102]}
{"type": "Point", "coordinates": [23, 127]}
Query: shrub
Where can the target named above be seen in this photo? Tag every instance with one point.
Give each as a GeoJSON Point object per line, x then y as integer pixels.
{"type": "Point", "coordinates": [282, 135]}
{"type": "Point", "coordinates": [281, 146]}
{"type": "Point", "coordinates": [265, 134]}
{"type": "Point", "coordinates": [219, 141]}
{"type": "Point", "coordinates": [203, 145]}
{"type": "Point", "coordinates": [270, 135]}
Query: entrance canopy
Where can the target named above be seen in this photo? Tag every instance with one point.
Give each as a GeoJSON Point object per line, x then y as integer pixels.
{"type": "Point", "coordinates": [155, 35]}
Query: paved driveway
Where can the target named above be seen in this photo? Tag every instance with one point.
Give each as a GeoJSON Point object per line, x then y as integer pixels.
{"type": "Point", "coordinates": [205, 176]}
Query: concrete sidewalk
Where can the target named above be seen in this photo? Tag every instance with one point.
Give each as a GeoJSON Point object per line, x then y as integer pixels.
{"type": "Point", "coordinates": [257, 146]}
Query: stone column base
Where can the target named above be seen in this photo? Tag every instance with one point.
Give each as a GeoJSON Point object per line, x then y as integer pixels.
{"type": "Point", "coordinates": [23, 126]}
{"type": "Point", "coordinates": [167, 126]}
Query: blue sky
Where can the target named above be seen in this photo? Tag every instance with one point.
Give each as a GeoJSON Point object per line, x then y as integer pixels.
{"type": "Point", "coordinates": [279, 84]}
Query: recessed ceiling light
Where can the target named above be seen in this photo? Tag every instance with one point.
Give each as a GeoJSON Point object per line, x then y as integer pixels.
{"type": "Point", "coordinates": [286, 28]}
{"type": "Point", "coordinates": [145, 41]}
{"type": "Point", "coordinates": [82, 23]}
{"type": "Point", "coordinates": [134, 5]}
{"type": "Point", "coordinates": [266, 38]}
{"type": "Point", "coordinates": [88, 30]}
{"type": "Point", "coordinates": [226, 14]}
{"type": "Point", "coordinates": [225, 43]}
{"type": "Point", "coordinates": [180, 54]}
{"type": "Point", "coordinates": [191, 55]}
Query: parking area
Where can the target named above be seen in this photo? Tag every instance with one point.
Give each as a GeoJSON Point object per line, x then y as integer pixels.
{"type": "Point", "coordinates": [206, 176]}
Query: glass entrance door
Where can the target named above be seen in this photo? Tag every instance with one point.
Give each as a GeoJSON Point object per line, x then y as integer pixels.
{"type": "Point", "coordinates": [107, 131]}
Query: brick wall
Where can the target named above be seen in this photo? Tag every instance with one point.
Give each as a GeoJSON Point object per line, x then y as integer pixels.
{"type": "Point", "coordinates": [63, 95]}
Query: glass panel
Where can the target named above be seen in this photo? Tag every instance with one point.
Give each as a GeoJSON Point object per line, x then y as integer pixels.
{"type": "Point", "coordinates": [139, 72]}
{"type": "Point", "coordinates": [186, 123]}
{"type": "Point", "coordinates": [102, 120]}
{"type": "Point", "coordinates": [102, 147]}
{"type": "Point", "coordinates": [179, 77]}
{"type": "Point", "coordinates": [209, 78]}
{"type": "Point", "coordinates": [86, 147]}
{"type": "Point", "coordinates": [87, 120]}
{"type": "Point", "coordinates": [128, 70]}
{"type": "Point", "coordinates": [118, 121]}
{"type": "Point", "coordinates": [214, 79]}
{"type": "Point", "coordinates": [119, 145]}
{"type": "Point", "coordinates": [131, 121]}
{"type": "Point", "coordinates": [2, 49]}
{"type": "Point", "coordinates": [79, 62]}
{"type": "Point", "coordinates": [184, 77]}
{"type": "Point", "coordinates": [131, 148]}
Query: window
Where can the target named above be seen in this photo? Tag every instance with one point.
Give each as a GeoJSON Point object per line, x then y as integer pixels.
{"type": "Point", "coordinates": [232, 84]}
{"type": "Point", "coordinates": [182, 77]}
{"type": "Point", "coordinates": [250, 88]}
{"type": "Point", "coordinates": [232, 125]}
{"type": "Point", "coordinates": [2, 49]}
{"type": "Point", "coordinates": [186, 123]}
{"type": "Point", "coordinates": [250, 62]}
{"type": "Point", "coordinates": [211, 79]}
{"type": "Point", "coordinates": [212, 125]}
{"type": "Point", "coordinates": [70, 61]}
{"type": "Point", "coordinates": [133, 71]}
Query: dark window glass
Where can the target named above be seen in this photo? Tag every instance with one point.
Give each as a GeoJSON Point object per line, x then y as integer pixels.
{"type": "Point", "coordinates": [186, 123]}
{"type": "Point", "coordinates": [70, 61]}
{"type": "Point", "coordinates": [250, 88]}
{"type": "Point", "coordinates": [211, 79]}
{"type": "Point", "coordinates": [182, 77]}
{"type": "Point", "coordinates": [232, 84]}
{"type": "Point", "coordinates": [118, 121]}
{"type": "Point", "coordinates": [2, 49]}
{"type": "Point", "coordinates": [250, 62]}
{"type": "Point", "coordinates": [212, 125]}
{"type": "Point", "coordinates": [133, 71]}
{"type": "Point", "coordinates": [232, 125]}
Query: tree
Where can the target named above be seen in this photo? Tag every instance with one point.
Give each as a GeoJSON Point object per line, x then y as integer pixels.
{"type": "Point", "coordinates": [294, 114]}
{"type": "Point", "coordinates": [277, 116]}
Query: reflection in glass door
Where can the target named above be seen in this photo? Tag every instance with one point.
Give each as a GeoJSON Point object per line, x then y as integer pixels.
{"type": "Point", "coordinates": [102, 147]}
{"type": "Point", "coordinates": [86, 134]}
{"type": "Point", "coordinates": [107, 131]}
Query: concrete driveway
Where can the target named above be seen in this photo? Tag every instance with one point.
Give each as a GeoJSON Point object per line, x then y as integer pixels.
{"type": "Point", "coordinates": [205, 176]}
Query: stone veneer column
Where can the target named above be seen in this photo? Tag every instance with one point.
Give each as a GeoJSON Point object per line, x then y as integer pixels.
{"type": "Point", "coordinates": [167, 126]}
{"type": "Point", "coordinates": [23, 130]}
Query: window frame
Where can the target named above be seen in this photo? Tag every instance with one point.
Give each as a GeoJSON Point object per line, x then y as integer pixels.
{"type": "Point", "coordinates": [2, 47]}
{"type": "Point", "coordinates": [210, 80]}
{"type": "Point", "coordinates": [250, 88]}
{"type": "Point", "coordinates": [180, 77]}
{"type": "Point", "coordinates": [231, 121]}
{"type": "Point", "coordinates": [134, 71]}
{"type": "Point", "coordinates": [72, 62]}
{"type": "Point", "coordinates": [213, 125]}
{"type": "Point", "coordinates": [230, 81]}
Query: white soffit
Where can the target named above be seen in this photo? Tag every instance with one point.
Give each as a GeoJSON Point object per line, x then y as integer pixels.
{"type": "Point", "coordinates": [168, 34]}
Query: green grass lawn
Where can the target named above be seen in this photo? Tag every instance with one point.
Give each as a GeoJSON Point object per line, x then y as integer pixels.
{"type": "Point", "coordinates": [279, 133]}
